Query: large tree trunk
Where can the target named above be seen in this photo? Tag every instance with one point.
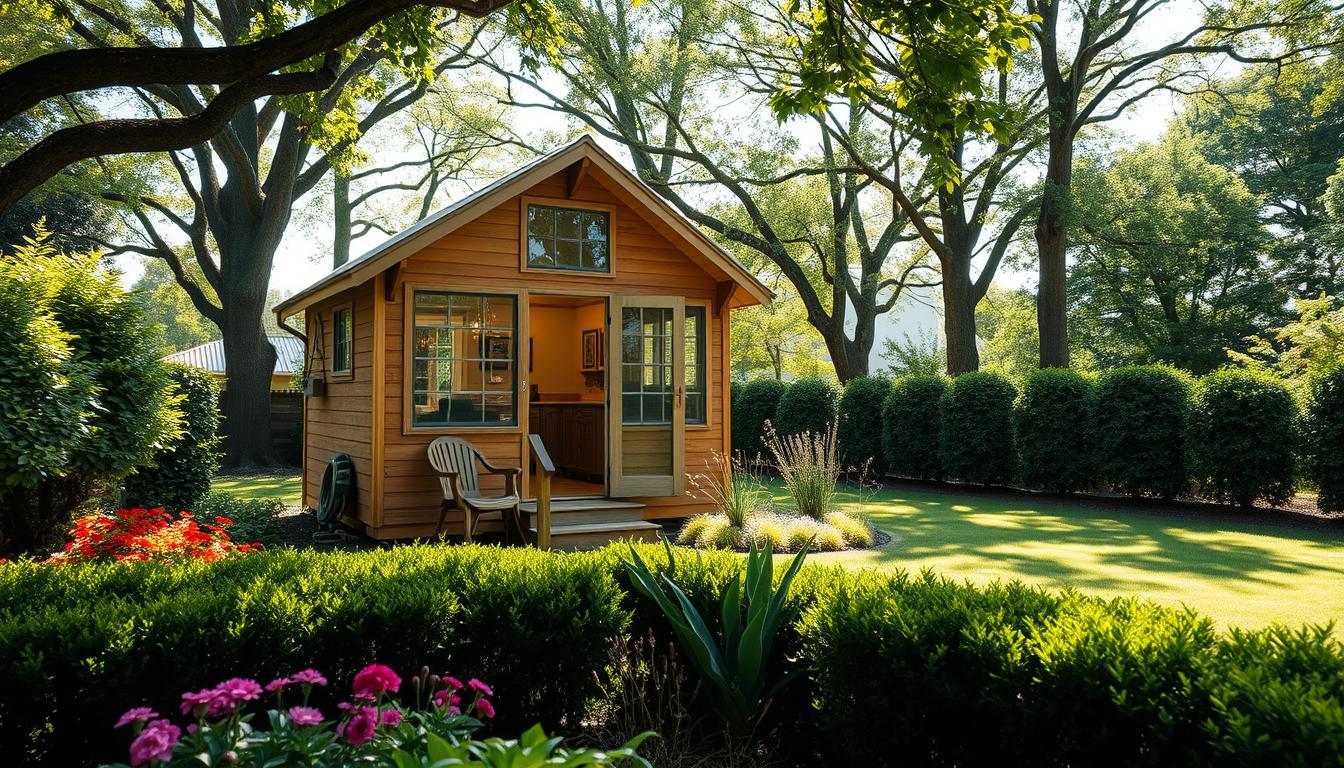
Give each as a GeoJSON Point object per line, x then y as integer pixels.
{"type": "Point", "coordinates": [959, 302]}
{"type": "Point", "coordinates": [246, 402]}
{"type": "Point", "coordinates": [1052, 317]}
{"type": "Point", "coordinates": [340, 199]}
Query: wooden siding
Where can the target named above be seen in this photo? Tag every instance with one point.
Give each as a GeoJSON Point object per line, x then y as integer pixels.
{"type": "Point", "coordinates": [341, 420]}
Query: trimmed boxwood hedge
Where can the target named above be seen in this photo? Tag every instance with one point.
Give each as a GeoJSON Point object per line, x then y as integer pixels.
{"type": "Point", "coordinates": [755, 405]}
{"type": "Point", "coordinates": [1325, 438]}
{"type": "Point", "coordinates": [810, 404]}
{"type": "Point", "coordinates": [976, 439]}
{"type": "Point", "coordinates": [1039, 678]}
{"type": "Point", "coordinates": [1139, 430]}
{"type": "Point", "coordinates": [860, 424]}
{"type": "Point", "coordinates": [911, 424]}
{"type": "Point", "coordinates": [1243, 427]}
{"type": "Point", "coordinates": [1053, 419]}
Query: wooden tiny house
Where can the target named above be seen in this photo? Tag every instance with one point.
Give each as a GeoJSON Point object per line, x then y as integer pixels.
{"type": "Point", "coordinates": [564, 312]}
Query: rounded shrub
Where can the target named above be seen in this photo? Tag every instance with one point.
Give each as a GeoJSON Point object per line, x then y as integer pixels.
{"type": "Point", "coordinates": [1325, 438]}
{"type": "Point", "coordinates": [810, 404]}
{"type": "Point", "coordinates": [755, 405]}
{"type": "Point", "coordinates": [1242, 437]}
{"type": "Point", "coordinates": [860, 424]}
{"type": "Point", "coordinates": [911, 422]}
{"type": "Point", "coordinates": [1138, 430]}
{"type": "Point", "coordinates": [1053, 435]}
{"type": "Point", "coordinates": [179, 476]}
{"type": "Point", "coordinates": [976, 439]}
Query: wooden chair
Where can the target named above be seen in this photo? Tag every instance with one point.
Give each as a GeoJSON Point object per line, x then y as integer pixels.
{"type": "Point", "coordinates": [455, 459]}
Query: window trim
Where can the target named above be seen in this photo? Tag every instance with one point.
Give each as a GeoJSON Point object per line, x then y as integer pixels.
{"type": "Point", "coordinates": [408, 425]}
{"type": "Point", "coordinates": [574, 205]}
{"type": "Point", "coordinates": [342, 373]}
{"type": "Point", "coordinates": [708, 364]}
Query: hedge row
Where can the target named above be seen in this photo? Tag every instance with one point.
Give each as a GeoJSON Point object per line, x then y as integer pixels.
{"type": "Point", "coordinates": [892, 669]}
{"type": "Point", "coordinates": [1233, 435]}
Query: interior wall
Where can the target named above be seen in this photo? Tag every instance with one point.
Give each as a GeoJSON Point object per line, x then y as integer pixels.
{"type": "Point", "coordinates": [557, 351]}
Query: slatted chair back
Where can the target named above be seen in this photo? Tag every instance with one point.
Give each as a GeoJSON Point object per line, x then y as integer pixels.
{"type": "Point", "coordinates": [453, 454]}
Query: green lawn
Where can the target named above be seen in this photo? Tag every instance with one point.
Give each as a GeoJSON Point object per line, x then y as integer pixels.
{"type": "Point", "coordinates": [285, 486]}
{"type": "Point", "coordinates": [1240, 571]}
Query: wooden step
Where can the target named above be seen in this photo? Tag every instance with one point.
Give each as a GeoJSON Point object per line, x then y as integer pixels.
{"type": "Point", "coordinates": [595, 510]}
{"type": "Point", "coordinates": [567, 535]}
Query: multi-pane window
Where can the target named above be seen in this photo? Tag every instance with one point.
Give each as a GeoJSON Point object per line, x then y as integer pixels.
{"type": "Point", "coordinates": [695, 365]}
{"type": "Point", "coordinates": [646, 365]}
{"type": "Point", "coordinates": [342, 340]}
{"type": "Point", "coordinates": [568, 238]}
{"type": "Point", "coordinates": [464, 360]}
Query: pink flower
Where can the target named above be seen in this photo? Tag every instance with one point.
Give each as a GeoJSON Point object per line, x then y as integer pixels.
{"type": "Point", "coordinates": [136, 715]}
{"type": "Point", "coordinates": [305, 715]}
{"type": "Point", "coordinates": [446, 697]}
{"type": "Point", "coordinates": [359, 728]}
{"type": "Point", "coordinates": [155, 742]}
{"type": "Point", "coordinates": [309, 677]}
{"type": "Point", "coordinates": [477, 685]}
{"type": "Point", "coordinates": [278, 684]}
{"type": "Point", "coordinates": [239, 689]}
{"type": "Point", "coordinates": [486, 709]}
{"type": "Point", "coordinates": [375, 680]}
{"type": "Point", "coordinates": [199, 703]}
{"type": "Point", "coordinates": [391, 717]}
{"type": "Point", "coordinates": [453, 682]}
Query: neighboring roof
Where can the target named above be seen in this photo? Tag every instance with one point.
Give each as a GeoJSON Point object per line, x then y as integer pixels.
{"type": "Point", "coordinates": [459, 213]}
{"type": "Point", "coordinates": [210, 356]}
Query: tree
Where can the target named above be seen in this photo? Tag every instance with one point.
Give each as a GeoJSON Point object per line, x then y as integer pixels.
{"type": "Point", "coordinates": [653, 79]}
{"type": "Point", "coordinates": [921, 356]}
{"type": "Point", "coordinates": [1006, 320]}
{"type": "Point", "coordinates": [1310, 343]}
{"type": "Point", "coordinates": [230, 197]}
{"type": "Point", "coordinates": [1100, 74]}
{"type": "Point", "coordinates": [69, 214]}
{"type": "Point", "coordinates": [1279, 129]}
{"type": "Point", "coordinates": [254, 61]}
{"type": "Point", "coordinates": [1168, 260]}
{"type": "Point", "coordinates": [169, 309]}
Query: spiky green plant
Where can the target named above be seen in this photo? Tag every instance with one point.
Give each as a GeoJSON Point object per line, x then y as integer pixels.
{"type": "Point", "coordinates": [733, 666]}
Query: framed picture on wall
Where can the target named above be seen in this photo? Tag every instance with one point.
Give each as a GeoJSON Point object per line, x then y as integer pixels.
{"type": "Point", "coordinates": [592, 349]}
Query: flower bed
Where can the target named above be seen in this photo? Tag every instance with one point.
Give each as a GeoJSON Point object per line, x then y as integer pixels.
{"type": "Point", "coordinates": [149, 534]}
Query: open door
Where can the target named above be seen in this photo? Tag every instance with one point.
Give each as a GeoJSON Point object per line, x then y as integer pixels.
{"type": "Point", "coordinates": [646, 351]}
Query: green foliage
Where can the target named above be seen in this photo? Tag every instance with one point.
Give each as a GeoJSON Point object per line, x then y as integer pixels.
{"type": "Point", "coordinates": [84, 638]}
{"type": "Point", "coordinates": [923, 356]}
{"type": "Point", "coordinates": [1060, 679]}
{"type": "Point", "coordinates": [1313, 341]}
{"type": "Point", "coordinates": [755, 406]}
{"type": "Point", "coordinates": [1006, 320]}
{"type": "Point", "coordinates": [1168, 260]}
{"type": "Point", "coordinates": [1243, 433]}
{"type": "Point", "coordinates": [89, 401]}
{"type": "Point", "coordinates": [860, 423]}
{"type": "Point", "coordinates": [911, 425]}
{"type": "Point", "coordinates": [1053, 420]}
{"type": "Point", "coordinates": [809, 404]}
{"type": "Point", "coordinates": [255, 521]}
{"type": "Point", "coordinates": [946, 96]}
{"type": "Point", "coordinates": [179, 475]}
{"type": "Point", "coordinates": [752, 614]}
{"type": "Point", "coordinates": [976, 436]}
{"type": "Point", "coordinates": [1325, 437]}
{"type": "Point", "coordinates": [1139, 430]}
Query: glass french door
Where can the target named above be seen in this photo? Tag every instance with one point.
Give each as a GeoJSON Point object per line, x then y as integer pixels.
{"type": "Point", "coordinates": [646, 351]}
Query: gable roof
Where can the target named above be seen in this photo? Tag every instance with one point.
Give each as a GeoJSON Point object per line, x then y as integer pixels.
{"type": "Point", "coordinates": [210, 355]}
{"type": "Point", "coordinates": [457, 214]}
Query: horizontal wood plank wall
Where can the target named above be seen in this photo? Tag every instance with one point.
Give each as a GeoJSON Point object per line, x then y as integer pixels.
{"type": "Point", "coordinates": [341, 421]}
{"type": "Point", "coordinates": [483, 257]}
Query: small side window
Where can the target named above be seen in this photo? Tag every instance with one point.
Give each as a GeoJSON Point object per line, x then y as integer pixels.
{"type": "Point", "coordinates": [342, 344]}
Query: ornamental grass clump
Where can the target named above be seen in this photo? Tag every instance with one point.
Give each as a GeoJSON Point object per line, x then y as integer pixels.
{"type": "Point", "coordinates": [808, 464]}
{"type": "Point", "coordinates": [733, 487]}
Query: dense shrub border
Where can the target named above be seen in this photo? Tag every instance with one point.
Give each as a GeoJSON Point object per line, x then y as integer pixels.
{"type": "Point", "coordinates": [1325, 437]}
{"type": "Point", "coordinates": [859, 429]}
{"type": "Point", "coordinates": [810, 404]}
{"type": "Point", "coordinates": [179, 475]}
{"type": "Point", "coordinates": [911, 425]}
{"type": "Point", "coordinates": [1040, 678]}
{"type": "Point", "coordinates": [976, 438]}
{"type": "Point", "coordinates": [1053, 419]}
{"type": "Point", "coordinates": [1139, 430]}
{"type": "Point", "coordinates": [1243, 426]}
{"type": "Point", "coordinates": [754, 406]}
